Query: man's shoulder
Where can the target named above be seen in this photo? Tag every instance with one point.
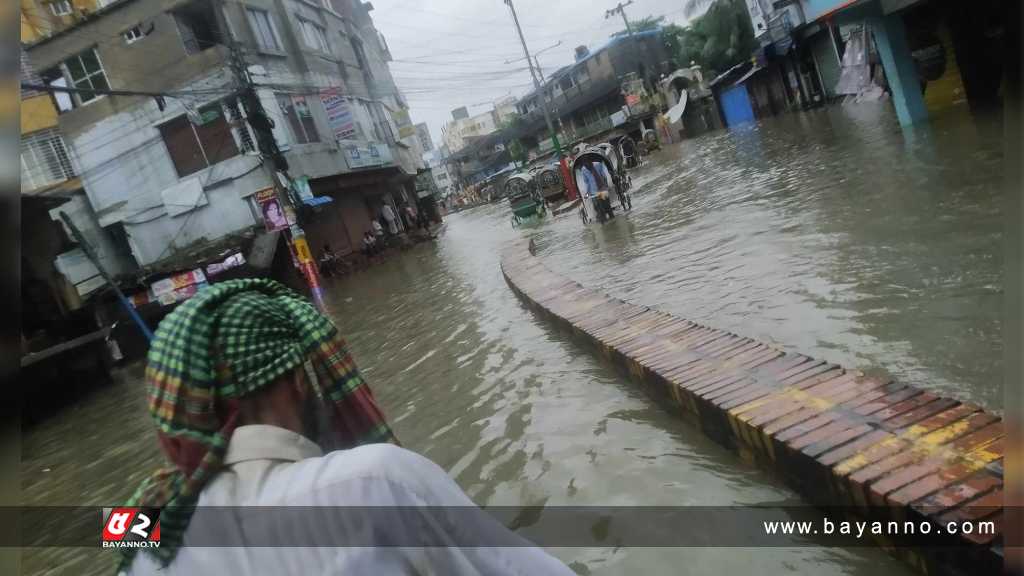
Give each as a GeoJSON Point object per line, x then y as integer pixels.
{"type": "Point", "coordinates": [393, 471]}
{"type": "Point", "coordinates": [379, 461]}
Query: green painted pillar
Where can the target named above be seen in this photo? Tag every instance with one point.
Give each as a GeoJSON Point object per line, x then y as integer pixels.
{"type": "Point", "coordinates": [891, 41]}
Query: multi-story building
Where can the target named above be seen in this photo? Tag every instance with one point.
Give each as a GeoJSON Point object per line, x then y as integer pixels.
{"type": "Point", "coordinates": [584, 96]}
{"type": "Point", "coordinates": [41, 18]}
{"type": "Point", "coordinates": [174, 176]}
{"type": "Point", "coordinates": [505, 110]}
{"type": "Point", "coordinates": [464, 128]}
{"type": "Point", "coordinates": [423, 133]}
{"type": "Point", "coordinates": [436, 161]}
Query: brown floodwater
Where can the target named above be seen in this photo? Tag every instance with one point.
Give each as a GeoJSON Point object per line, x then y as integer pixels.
{"type": "Point", "coordinates": [834, 233]}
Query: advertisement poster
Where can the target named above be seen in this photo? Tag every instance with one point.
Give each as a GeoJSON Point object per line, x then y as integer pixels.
{"type": "Point", "coordinates": [177, 282]}
{"type": "Point", "coordinates": [339, 114]}
{"type": "Point", "coordinates": [404, 123]}
{"type": "Point", "coordinates": [270, 207]}
{"type": "Point", "coordinates": [363, 156]}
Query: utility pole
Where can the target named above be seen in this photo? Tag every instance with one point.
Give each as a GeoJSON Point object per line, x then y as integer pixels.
{"type": "Point", "coordinates": [87, 248]}
{"type": "Point", "coordinates": [566, 175]}
{"type": "Point", "coordinates": [620, 10]}
{"type": "Point", "coordinates": [263, 127]}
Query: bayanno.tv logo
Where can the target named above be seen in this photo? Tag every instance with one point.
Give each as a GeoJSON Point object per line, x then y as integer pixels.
{"type": "Point", "coordinates": [131, 528]}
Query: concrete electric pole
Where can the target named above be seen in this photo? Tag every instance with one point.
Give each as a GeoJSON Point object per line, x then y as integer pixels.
{"type": "Point", "coordinates": [262, 125]}
{"type": "Point", "coordinates": [620, 9]}
{"type": "Point", "coordinates": [566, 175]}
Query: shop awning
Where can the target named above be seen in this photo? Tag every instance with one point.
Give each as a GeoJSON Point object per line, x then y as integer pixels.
{"type": "Point", "coordinates": [317, 200]}
{"type": "Point", "coordinates": [747, 76]}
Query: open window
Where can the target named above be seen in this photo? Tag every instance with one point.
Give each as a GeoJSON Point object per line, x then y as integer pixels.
{"type": "Point", "coordinates": [197, 25]}
{"type": "Point", "coordinates": [300, 118]}
{"type": "Point", "coordinates": [83, 71]}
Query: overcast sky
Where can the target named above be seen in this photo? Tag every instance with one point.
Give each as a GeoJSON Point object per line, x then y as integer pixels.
{"type": "Point", "coordinates": [452, 53]}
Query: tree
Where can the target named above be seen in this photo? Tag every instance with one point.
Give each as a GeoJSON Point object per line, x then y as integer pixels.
{"type": "Point", "coordinates": [642, 25]}
{"type": "Point", "coordinates": [716, 40]}
{"type": "Point", "coordinates": [517, 151]}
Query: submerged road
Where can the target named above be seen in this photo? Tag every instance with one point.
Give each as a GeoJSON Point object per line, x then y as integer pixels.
{"type": "Point", "coordinates": [833, 233]}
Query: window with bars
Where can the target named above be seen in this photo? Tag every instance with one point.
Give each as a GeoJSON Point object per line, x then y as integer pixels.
{"type": "Point", "coordinates": [59, 7]}
{"type": "Point", "coordinates": [195, 146]}
{"type": "Point", "coordinates": [300, 118]}
{"type": "Point", "coordinates": [239, 125]}
{"type": "Point", "coordinates": [44, 160]}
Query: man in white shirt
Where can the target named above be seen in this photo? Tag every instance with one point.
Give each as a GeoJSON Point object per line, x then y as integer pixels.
{"type": "Point", "coordinates": [249, 385]}
{"type": "Point", "coordinates": [390, 217]}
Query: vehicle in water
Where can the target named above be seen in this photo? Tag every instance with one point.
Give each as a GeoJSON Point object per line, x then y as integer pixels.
{"type": "Point", "coordinates": [601, 180]}
{"type": "Point", "coordinates": [524, 198]}
{"type": "Point", "coordinates": [548, 180]}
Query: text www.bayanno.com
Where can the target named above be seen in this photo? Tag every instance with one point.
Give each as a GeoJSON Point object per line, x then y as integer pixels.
{"type": "Point", "coordinates": [859, 529]}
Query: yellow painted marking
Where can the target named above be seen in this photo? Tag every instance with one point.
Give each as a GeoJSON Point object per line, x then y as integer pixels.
{"type": "Point", "coordinates": [921, 445]}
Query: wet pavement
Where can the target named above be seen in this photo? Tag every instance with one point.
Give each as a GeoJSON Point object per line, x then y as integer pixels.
{"type": "Point", "coordinates": [832, 233]}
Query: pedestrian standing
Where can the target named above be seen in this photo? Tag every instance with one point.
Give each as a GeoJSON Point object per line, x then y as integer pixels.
{"type": "Point", "coordinates": [378, 232]}
{"type": "Point", "coordinates": [410, 216]}
{"type": "Point", "coordinates": [391, 218]}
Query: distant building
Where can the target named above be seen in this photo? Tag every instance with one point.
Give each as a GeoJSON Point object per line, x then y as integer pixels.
{"type": "Point", "coordinates": [423, 133]}
{"type": "Point", "coordinates": [505, 110]}
{"type": "Point", "coordinates": [436, 161]}
{"type": "Point", "coordinates": [464, 128]}
{"type": "Point", "coordinates": [604, 89]}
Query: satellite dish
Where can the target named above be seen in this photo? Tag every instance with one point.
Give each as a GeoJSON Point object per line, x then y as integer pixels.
{"type": "Point", "coordinates": [676, 112]}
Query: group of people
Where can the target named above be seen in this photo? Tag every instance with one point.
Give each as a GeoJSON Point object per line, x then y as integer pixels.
{"type": "Point", "coordinates": [411, 218]}
{"type": "Point", "coordinates": [374, 240]}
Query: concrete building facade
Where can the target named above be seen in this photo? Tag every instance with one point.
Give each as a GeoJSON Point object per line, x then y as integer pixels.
{"type": "Point", "coordinates": [168, 175]}
{"type": "Point", "coordinates": [461, 130]}
{"type": "Point", "coordinates": [423, 133]}
{"type": "Point", "coordinates": [585, 95]}
{"type": "Point", "coordinates": [925, 54]}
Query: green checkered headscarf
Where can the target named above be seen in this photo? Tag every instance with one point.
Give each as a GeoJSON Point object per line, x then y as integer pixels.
{"type": "Point", "coordinates": [228, 341]}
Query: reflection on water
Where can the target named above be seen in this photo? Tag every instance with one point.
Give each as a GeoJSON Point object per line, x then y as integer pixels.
{"type": "Point", "coordinates": [833, 233]}
{"type": "Point", "coordinates": [807, 231]}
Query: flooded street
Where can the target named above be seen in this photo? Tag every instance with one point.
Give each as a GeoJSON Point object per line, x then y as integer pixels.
{"type": "Point", "coordinates": [832, 233]}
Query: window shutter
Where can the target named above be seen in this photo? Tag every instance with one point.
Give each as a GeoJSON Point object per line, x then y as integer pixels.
{"type": "Point", "coordinates": [182, 145]}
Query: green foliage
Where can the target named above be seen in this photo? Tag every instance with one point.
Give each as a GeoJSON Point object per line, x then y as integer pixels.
{"type": "Point", "coordinates": [517, 151]}
{"type": "Point", "coordinates": [717, 40]}
{"type": "Point", "coordinates": [642, 25]}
